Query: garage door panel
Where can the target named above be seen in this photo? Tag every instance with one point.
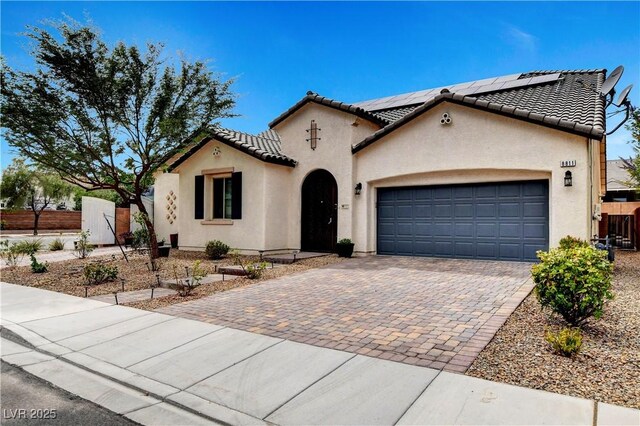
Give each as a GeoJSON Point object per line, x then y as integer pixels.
{"type": "Point", "coordinates": [404, 211]}
{"type": "Point", "coordinates": [423, 229]}
{"type": "Point", "coordinates": [444, 248]}
{"type": "Point", "coordinates": [535, 231]}
{"type": "Point", "coordinates": [423, 248]}
{"type": "Point", "coordinates": [509, 210]}
{"type": "Point", "coordinates": [465, 249]}
{"type": "Point", "coordinates": [463, 192]}
{"type": "Point", "coordinates": [510, 230]}
{"type": "Point", "coordinates": [404, 246]}
{"type": "Point", "coordinates": [486, 210]}
{"type": "Point", "coordinates": [486, 191]}
{"type": "Point", "coordinates": [485, 221]}
{"type": "Point", "coordinates": [443, 229]}
{"type": "Point", "coordinates": [422, 211]}
{"type": "Point", "coordinates": [510, 251]}
{"type": "Point", "coordinates": [529, 250]}
{"type": "Point", "coordinates": [507, 190]}
{"type": "Point", "coordinates": [442, 193]}
{"type": "Point", "coordinates": [404, 229]}
{"type": "Point", "coordinates": [534, 209]}
{"type": "Point", "coordinates": [423, 194]}
{"type": "Point", "coordinates": [404, 195]}
{"type": "Point", "coordinates": [487, 230]}
{"type": "Point", "coordinates": [464, 210]}
{"type": "Point", "coordinates": [536, 189]}
{"type": "Point", "coordinates": [486, 250]}
{"type": "Point", "coordinates": [464, 230]}
{"type": "Point", "coordinates": [386, 212]}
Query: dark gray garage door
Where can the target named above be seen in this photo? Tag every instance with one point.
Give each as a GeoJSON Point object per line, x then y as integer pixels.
{"type": "Point", "coordinates": [507, 221]}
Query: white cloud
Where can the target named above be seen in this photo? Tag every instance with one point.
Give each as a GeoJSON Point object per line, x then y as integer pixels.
{"type": "Point", "coordinates": [520, 38]}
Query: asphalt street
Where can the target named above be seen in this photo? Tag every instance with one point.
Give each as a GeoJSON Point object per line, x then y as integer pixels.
{"type": "Point", "coordinates": [28, 400]}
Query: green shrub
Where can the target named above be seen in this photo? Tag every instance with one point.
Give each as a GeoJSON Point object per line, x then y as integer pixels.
{"type": "Point", "coordinates": [574, 283]}
{"type": "Point", "coordinates": [140, 239]}
{"type": "Point", "coordinates": [567, 342]}
{"type": "Point", "coordinates": [345, 241]}
{"type": "Point", "coordinates": [56, 245]}
{"type": "Point", "coordinates": [3, 224]}
{"type": "Point", "coordinates": [28, 247]}
{"type": "Point", "coordinates": [185, 286]}
{"type": "Point", "coordinates": [569, 242]}
{"type": "Point", "coordinates": [37, 267]}
{"type": "Point", "coordinates": [82, 247]}
{"type": "Point", "coordinates": [98, 273]}
{"type": "Point", "coordinates": [254, 271]}
{"type": "Point", "coordinates": [216, 249]}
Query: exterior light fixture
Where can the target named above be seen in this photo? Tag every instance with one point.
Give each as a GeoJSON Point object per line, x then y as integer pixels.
{"type": "Point", "coordinates": [568, 179]}
{"type": "Point", "coordinates": [358, 188]}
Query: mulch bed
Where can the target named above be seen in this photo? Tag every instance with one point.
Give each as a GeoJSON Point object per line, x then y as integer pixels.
{"type": "Point", "coordinates": [66, 276]}
{"type": "Point", "coordinates": [607, 369]}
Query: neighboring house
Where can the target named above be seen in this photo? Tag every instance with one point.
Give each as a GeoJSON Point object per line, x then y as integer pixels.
{"type": "Point", "coordinates": [621, 208]}
{"type": "Point", "coordinates": [618, 188]}
{"type": "Point", "coordinates": [472, 170]}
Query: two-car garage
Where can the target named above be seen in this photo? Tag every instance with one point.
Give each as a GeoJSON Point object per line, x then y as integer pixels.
{"type": "Point", "coordinates": [503, 221]}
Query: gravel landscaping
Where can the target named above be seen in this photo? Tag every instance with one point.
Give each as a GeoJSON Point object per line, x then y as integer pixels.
{"type": "Point", "coordinates": [608, 367]}
{"type": "Point", "coordinates": [67, 276]}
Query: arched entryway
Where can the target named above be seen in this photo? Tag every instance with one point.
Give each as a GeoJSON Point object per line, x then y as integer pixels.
{"type": "Point", "coordinates": [319, 212]}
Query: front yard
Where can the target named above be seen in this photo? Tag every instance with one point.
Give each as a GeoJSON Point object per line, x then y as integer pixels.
{"type": "Point", "coordinates": [607, 368]}
{"type": "Point", "coordinates": [67, 276]}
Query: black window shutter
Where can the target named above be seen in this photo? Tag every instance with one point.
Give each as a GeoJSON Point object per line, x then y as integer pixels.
{"type": "Point", "coordinates": [218, 198]}
{"type": "Point", "coordinates": [199, 197]}
{"type": "Point", "coordinates": [236, 195]}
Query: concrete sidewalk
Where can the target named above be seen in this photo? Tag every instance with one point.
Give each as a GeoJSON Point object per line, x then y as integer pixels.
{"type": "Point", "coordinates": [158, 369]}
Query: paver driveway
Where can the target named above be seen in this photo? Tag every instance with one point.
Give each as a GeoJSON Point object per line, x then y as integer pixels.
{"type": "Point", "coordinates": [438, 313]}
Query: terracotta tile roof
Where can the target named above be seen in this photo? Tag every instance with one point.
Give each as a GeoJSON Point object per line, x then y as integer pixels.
{"type": "Point", "coordinates": [573, 98]}
{"type": "Point", "coordinates": [565, 100]}
{"type": "Point", "coordinates": [264, 146]}
{"type": "Point", "coordinates": [314, 97]}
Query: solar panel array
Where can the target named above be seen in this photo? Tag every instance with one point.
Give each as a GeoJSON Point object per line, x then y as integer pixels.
{"type": "Point", "coordinates": [470, 88]}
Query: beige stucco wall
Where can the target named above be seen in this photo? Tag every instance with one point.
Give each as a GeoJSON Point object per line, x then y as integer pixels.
{"type": "Point", "coordinates": [339, 131]}
{"type": "Point", "coordinates": [246, 234]}
{"type": "Point", "coordinates": [477, 147]}
{"type": "Point", "coordinates": [166, 185]}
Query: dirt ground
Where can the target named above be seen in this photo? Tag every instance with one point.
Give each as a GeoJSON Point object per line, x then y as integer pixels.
{"type": "Point", "coordinates": [607, 368]}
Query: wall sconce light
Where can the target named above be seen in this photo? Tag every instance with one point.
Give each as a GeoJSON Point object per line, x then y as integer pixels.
{"type": "Point", "coordinates": [358, 188]}
{"type": "Point", "coordinates": [568, 179]}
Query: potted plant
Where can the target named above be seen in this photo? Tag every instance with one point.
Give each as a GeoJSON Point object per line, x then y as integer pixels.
{"type": "Point", "coordinates": [344, 247]}
{"type": "Point", "coordinates": [161, 242]}
{"type": "Point", "coordinates": [127, 237]}
{"type": "Point", "coordinates": [163, 251]}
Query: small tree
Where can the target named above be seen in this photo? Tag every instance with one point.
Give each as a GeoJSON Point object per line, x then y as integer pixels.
{"type": "Point", "coordinates": [107, 117]}
{"type": "Point", "coordinates": [24, 186]}
{"type": "Point", "coordinates": [632, 164]}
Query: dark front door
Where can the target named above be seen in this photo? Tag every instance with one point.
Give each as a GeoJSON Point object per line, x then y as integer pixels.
{"type": "Point", "coordinates": [319, 212]}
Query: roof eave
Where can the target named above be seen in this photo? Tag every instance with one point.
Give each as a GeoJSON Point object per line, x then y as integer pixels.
{"type": "Point", "coordinates": [321, 100]}
{"type": "Point", "coordinates": [594, 132]}
{"type": "Point", "coordinates": [266, 157]}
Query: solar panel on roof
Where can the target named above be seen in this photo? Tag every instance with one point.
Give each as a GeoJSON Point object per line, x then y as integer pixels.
{"type": "Point", "coordinates": [486, 85]}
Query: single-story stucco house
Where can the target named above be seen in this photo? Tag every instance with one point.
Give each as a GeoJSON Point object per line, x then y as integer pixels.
{"type": "Point", "coordinates": [490, 169]}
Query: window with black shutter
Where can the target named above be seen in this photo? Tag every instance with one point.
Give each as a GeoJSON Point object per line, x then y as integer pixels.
{"type": "Point", "coordinates": [198, 200]}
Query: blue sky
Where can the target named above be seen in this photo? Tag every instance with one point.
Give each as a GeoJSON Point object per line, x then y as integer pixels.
{"type": "Point", "coordinates": [357, 51]}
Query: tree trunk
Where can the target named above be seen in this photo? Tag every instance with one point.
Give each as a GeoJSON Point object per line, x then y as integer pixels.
{"type": "Point", "coordinates": [153, 239]}
{"type": "Point", "coordinates": [36, 219]}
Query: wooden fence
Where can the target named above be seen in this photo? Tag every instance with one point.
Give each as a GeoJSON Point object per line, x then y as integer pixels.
{"type": "Point", "coordinates": [49, 220]}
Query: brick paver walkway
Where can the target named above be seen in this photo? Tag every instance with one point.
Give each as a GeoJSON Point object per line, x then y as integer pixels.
{"type": "Point", "coordinates": [438, 313]}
